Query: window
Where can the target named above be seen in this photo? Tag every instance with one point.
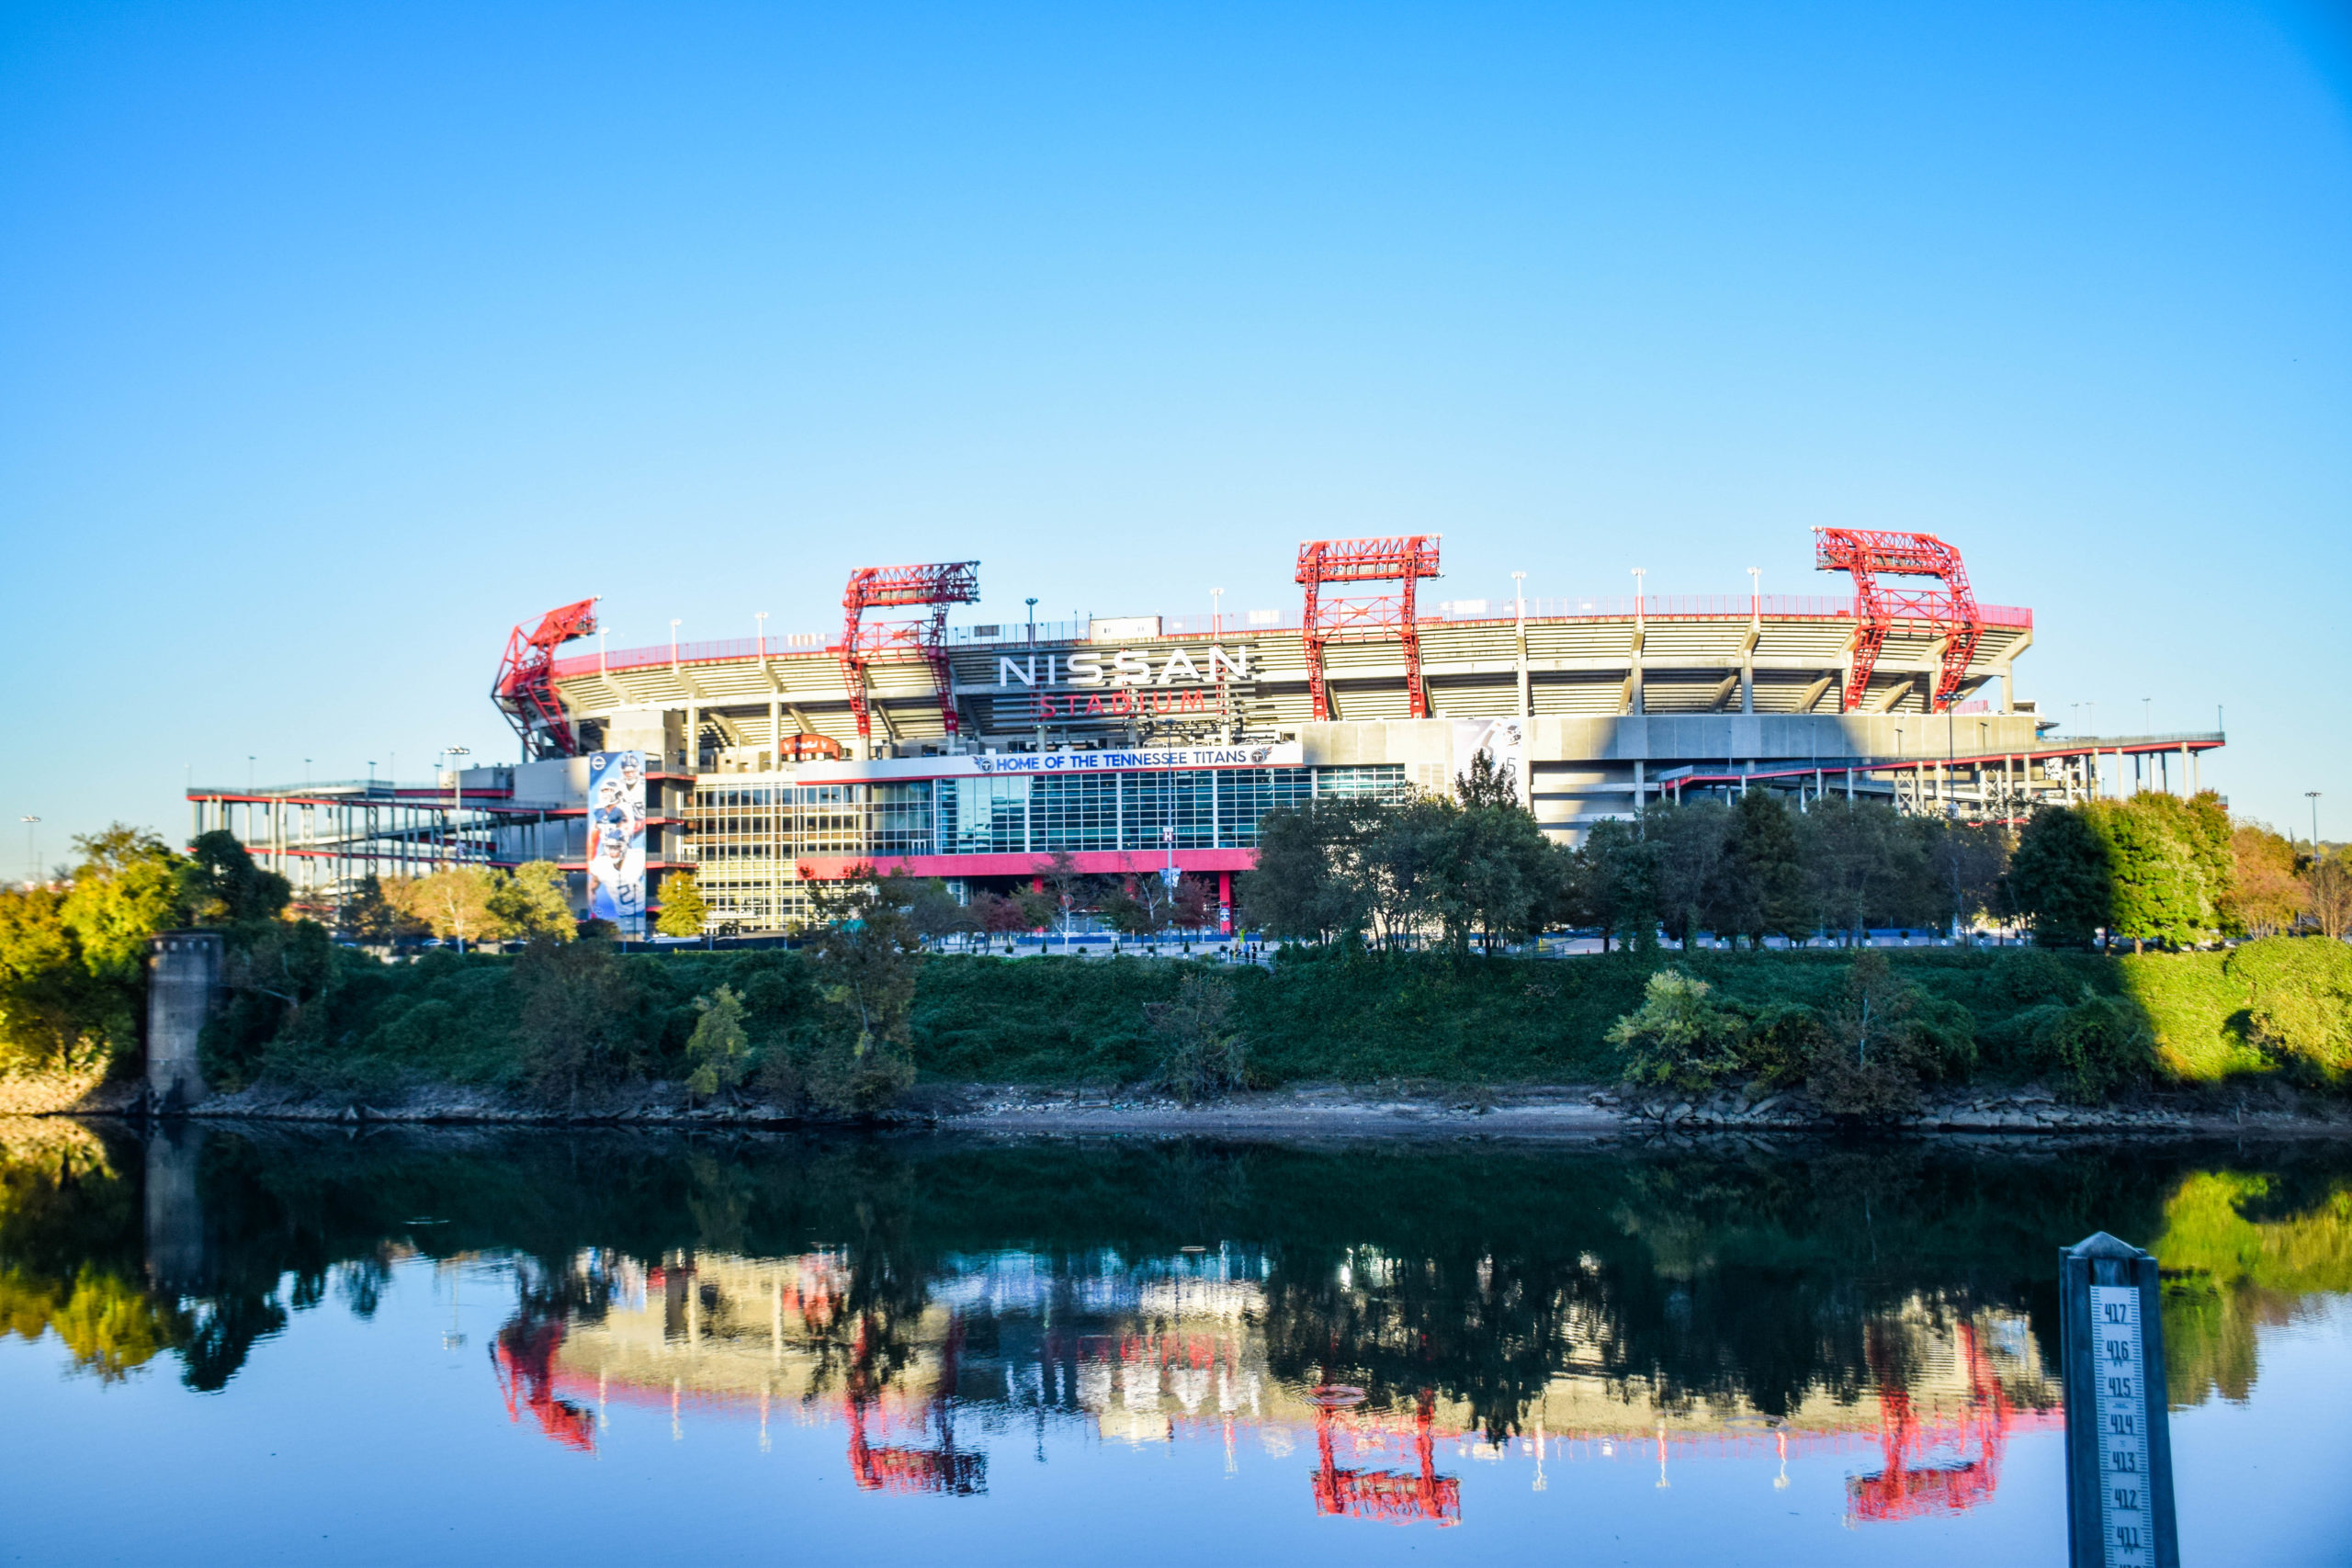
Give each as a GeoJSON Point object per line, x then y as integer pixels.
{"type": "Point", "coordinates": [981, 817]}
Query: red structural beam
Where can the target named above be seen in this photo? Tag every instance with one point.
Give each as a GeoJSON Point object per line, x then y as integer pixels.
{"type": "Point", "coordinates": [1871, 554]}
{"type": "Point", "coordinates": [1358, 618]}
{"type": "Point", "coordinates": [525, 690]}
{"type": "Point", "coordinates": [932, 588]}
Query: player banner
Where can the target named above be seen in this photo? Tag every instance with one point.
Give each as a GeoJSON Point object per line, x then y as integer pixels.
{"type": "Point", "coordinates": [617, 839]}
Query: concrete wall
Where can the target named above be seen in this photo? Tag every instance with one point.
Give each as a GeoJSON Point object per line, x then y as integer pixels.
{"type": "Point", "coordinates": [182, 977]}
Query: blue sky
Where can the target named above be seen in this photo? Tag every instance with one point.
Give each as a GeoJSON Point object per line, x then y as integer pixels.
{"type": "Point", "coordinates": [335, 340]}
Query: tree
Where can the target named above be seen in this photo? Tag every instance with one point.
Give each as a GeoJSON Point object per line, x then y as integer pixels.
{"type": "Point", "coordinates": [936, 912]}
{"type": "Point", "coordinates": [1485, 784]}
{"type": "Point", "coordinates": [1200, 1052]}
{"type": "Point", "coordinates": [454, 904]}
{"type": "Point", "coordinates": [684, 912]}
{"type": "Point", "coordinates": [577, 1017]}
{"type": "Point", "coordinates": [2266, 897]}
{"type": "Point", "coordinates": [2330, 885]}
{"type": "Point", "coordinates": [1862, 868]}
{"type": "Point", "coordinates": [1307, 883]}
{"type": "Point", "coordinates": [1882, 1041]}
{"type": "Point", "coordinates": [1195, 903]}
{"type": "Point", "coordinates": [53, 1011]}
{"type": "Point", "coordinates": [1763, 887]}
{"type": "Point", "coordinates": [2159, 889]}
{"type": "Point", "coordinates": [226, 889]}
{"type": "Point", "coordinates": [1609, 885]}
{"type": "Point", "coordinates": [1967, 860]}
{"type": "Point", "coordinates": [1501, 876]}
{"type": "Point", "coordinates": [128, 887]}
{"type": "Point", "coordinates": [1067, 889]}
{"type": "Point", "coordinates": [2059, 880]}
{"type": "Point", "coordinates": [1687, 846]}
{"type": "Point", "coordinates": [999, 916]}
{"type": "Point", "coordinates": [717, 1048]}
{"type": "Point", "coordinates": [867, 958]}
{"type": "Point", "coordinates": [534, 902]}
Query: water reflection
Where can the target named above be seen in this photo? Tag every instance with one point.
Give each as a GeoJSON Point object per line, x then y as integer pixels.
{"type": "Point", "coordinates": [1382, 1321]}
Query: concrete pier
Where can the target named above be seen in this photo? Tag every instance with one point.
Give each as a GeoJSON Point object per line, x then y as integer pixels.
{"type": "Point", "coordinates": [183, 976]}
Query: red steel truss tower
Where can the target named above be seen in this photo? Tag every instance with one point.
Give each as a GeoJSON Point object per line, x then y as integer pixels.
{"type": "Point", "coordinates": [525, 690]}
{"type": "Point", "coordinates": [1869, 553]}
{"type": "Point", "coordinates": [1362, 617]}
{"type": "Point", "coordinates": [923, 636]}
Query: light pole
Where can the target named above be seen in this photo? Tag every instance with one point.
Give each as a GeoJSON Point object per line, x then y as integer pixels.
{"type": "Point", "coordinates": [32, 852]}
{"type": "Point", "coordinates": [1037, 699]}
{"type": "Point", "coordinates": [457, 804]}
{"type": "Point", "coordinates": [762, 618]}
{"type": "Point", "coordinates": [1519, 636]}
{"type": "Point", "coordinates": [1217, 612]}
{"type": "Point", "coordinates": [249, 773]}
{"type": "Point", "coordinates": [673, 640]}
{"type": "Point", "coordinates": [2314, 796]}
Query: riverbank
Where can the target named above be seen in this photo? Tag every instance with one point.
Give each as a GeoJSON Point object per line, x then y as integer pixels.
{"type": "Point", "coordinates": [1400, 1112]}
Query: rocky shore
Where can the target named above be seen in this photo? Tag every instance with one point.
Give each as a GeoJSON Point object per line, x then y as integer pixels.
{"type": "Point", "coordinates": [1412, 1111]}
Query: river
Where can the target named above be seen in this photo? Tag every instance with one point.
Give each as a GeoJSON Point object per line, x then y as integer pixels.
{"type": "Point", "coordinates": [272, 1345]}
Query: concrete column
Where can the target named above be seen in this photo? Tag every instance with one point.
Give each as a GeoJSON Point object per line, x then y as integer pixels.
{"type": "Point", "coordinates": [183, 976]}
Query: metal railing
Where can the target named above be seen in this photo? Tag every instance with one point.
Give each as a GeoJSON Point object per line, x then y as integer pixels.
{"type": "Point", "coordinates": [1247, 623]}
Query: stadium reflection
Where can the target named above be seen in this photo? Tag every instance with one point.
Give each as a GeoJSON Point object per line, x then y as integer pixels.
{"type": "Point", "coordinates": [945, 1308]}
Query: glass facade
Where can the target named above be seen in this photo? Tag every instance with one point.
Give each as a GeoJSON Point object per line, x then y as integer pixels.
{"type": "Point", "coordinates": [747, 838]}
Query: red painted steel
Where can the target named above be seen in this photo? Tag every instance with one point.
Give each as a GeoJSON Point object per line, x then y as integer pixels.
{"type": "Point", "coordinates": [1871, 554]}
{"type": "Point", "coordinates": [932, 588]}
{"type": "Point", "coordinates": [525, 690]}
{"type": "Point", "coordinates": [1361, 617]}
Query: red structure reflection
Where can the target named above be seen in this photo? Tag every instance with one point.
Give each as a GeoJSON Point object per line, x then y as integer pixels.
{"type": "Point", "coordinates": [524, 1357]}
{"type": "Point", "coordinates": [1393, 1496]}
{"type": "Point", "coordinates": [901, 1468]}
{"type": "Point", "coordinates": [1934, 1467]}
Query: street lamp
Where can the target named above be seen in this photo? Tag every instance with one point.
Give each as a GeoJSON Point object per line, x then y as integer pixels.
{"type": "Point", "coordinates": [1217, 612]}
{"type": "Point", "coordinates": [1038, 701]}
{"type": "Point", "coordinates": [2314, 796]}
{"type": "Point", "coordinates": [456, 801]}
{"type": "Point", "coordinates": [32, 852]}
{"type": "Point", "coordinates": [762, 618]}
{"type": "Point", "coordinates": [674, 639]}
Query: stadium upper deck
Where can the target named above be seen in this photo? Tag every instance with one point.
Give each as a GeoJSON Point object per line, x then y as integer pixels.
{"type": "Point", "coordinates": [1194, 679]}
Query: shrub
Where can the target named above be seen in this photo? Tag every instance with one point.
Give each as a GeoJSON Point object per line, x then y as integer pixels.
{"type": "Point", "coordinates": [1780, 1045]}
{"type": "Point", "coordinates": [577, 1018]}
{"type": "Point", "coordinates": [1679, 1038]}
{"type": "Point", "coordinates": [2299, 1007]}
{"type": "Point", "coordinates": [2099, 1045]}
{"type": "Point", "coordinates": [717, 1048]}
{"type": "Point", "coordinates": [1199, 1055]}
{"type": "Point", "coordinates": [1883, 1039]}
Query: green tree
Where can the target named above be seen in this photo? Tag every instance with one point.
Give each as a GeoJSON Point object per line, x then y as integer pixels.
{"type": "Point", "coordinates": [54, 1014]}
{"type": "Point", "coordinates": [937, 913]}
{"type": "Point", "coordinates": [577, 1018]}
{"type": "Point", "coordinates": [2159, 889]}
{"type": "Point", "coordinates": [868, 959]}
{"type": "Point", "coordinates": [2059, 880]}
{"type": "Point", "coordinates": [534, 902]}
{"type": "Point", "coordinates": [225, 888]}
{"type": "Point", "coordinates": [1485, 784]}
{"type": "Point", "coordinates": [1502, 876]}
{"type": "Point", "coordinates": [1609, 885]}
{"type": "Point", "coordinates": [717, 1048]}
{"type": "Point", "coordinates": [1882, 1040]}
{"type": "Point", "coordinates": [684, 912]}
{"type": "Point", "coordinates": [1200, 1052]}
{"type": "Point", "coordinates": [1688, 843]}
{"type": "Point", "coordinates": [129, 887]}
{"type": "Point", "coordinates": [1862, 866]}
{"type": "Point", "coordinates": [1763, 887]}
{"type": "Point", "coordinates": [1308, 885]}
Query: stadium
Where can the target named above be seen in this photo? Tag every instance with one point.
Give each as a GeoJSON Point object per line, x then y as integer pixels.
{"type": "Point", "coordinates": [1140, 744]}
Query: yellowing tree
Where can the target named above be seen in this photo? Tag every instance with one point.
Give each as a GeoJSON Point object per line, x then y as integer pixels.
{"type": "Point", "coordinates": [683, 908]}
{"type": "Point", "coordinates": [454, 904]}
{"type": "Point", "coordinates": [534, 902]}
